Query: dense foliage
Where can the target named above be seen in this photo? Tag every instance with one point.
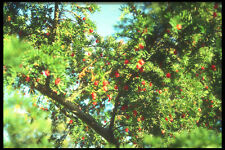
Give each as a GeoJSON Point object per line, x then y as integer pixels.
{"type": "Point", "coordinates": [164, 79]}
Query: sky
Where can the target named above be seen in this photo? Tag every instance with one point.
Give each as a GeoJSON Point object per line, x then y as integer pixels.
{"type": "Point", "coordinates": [106, 18]}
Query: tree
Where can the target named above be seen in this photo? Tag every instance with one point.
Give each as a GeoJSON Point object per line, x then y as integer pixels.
{"type": "Point", "coordinates": [166, 78]}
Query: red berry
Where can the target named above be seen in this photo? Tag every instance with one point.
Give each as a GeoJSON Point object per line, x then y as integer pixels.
{"type": "Point", "coordinates": [168, 75]}
{"type": "Point", "coordinates": [181, 90]}
{"type": "Point", "coordinates": [141, 62]}
{"type": "Point", "coordinates": [84, 18]}
{"type": "Point", "coordinates": [141, 46]}
{"type": "Point", "coordinates": [83, 59]}
{"type": "Point", "coordinates": [160, 91]}
{"type": "Point", "coordinates": [47, 34]}
{"type": "Point", "coordinates": [47, 73]}
{"type": "Point", "coordinates": [127, 116]}
{"type": "Point", "coordinates": [91, 30]}
{"type": "Point", "coordinates": [96, 83]}
{"type": "Point", "coordinates": [138, 66]}
{"type": "Point", "coordinates": [117, 74]}
{"type": "Point", "coordinates": [179, 26]}
{"type": "Point", "coordinates": [57, 81]}
{"type": "Point", "coordinates": [93, 94]}
{"type": "Point", "coordinates": [105, 121]}
{"type": "Point", "coordinates": [94, 103]}
{"type": "Point", "coordinates": [97, 41]}
{"type": "Point", "coordinates": [213, 67]}
{"type": "Point", "coordinates": [126, 61]}
{"type": "Point", "coordinates": [110, 97]}
{"type": "Point", "coordinates": [166, 119]}
{"type": "Point", "coordinates": [214, 14]}
{"type": "Point", "coordinates": [206, 87]}
{"type": "Point", "coordinates": [82, 138]}
{"type": "Point", "coordinates": [136, 49]}
{"type": "Point", "coordinates": [105, 83]}
{"type": "Point", "coordinates": [202, 68]}
{"type": "Point", "coordinates": [150, 84]}
{"type": "Point", "coordinates": [141, 69]}
{"type": "Point", "coordinates": [27, 79]}
{"type": "Point", "coordinates": [72, 54]}
{"type": "Point", "coordinates": [105, 88]}
{"type": "Point", "coordinates": [116, 87]}
{"type": "Point", "coordinates": [71, 121]}
{"type": "Point", "coordinates": [126, 130]}
{"type": "Point", "coordinates": [143, 82]}
{"type": "Point", "coordinates": [142, 118]}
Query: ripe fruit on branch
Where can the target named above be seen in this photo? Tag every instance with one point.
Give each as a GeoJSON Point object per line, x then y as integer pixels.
{"type": "Point", "coordinates": [91, 30]}
{"type": "Point", "coordinates": [116, 87]}
{"type": "Point", "coordinates": [72, 54]}
{"type": "Point", "coordinates": [57, 81]}
{"type": "Point", "coordinates": [214, 14]}
{"type": "Point", "coordinates": [94, 103]}
{"type": "Point", "coordinates": [97, 41]}
{"type": "Point", "coordinates": [105, 88]}
{"type": "Point", "coordinates": [27, 79]}
{"type": "Point", "coordinates": [110, 97]}
{"type": "Point", "coordinates": [126, 61]}
{"type": "Point", "coordinates": [141, 46]}
{"type": "Point", "coordinates": [93, 94]}
{"type": "Point", "coordinates": [126, 130]}
{"type": "Point", "coordinates": [84, 18]}
{"type": "Point", "coordinates": [168, 75]}
{"type": "Point", "coordinates": [141, 62]}
{"type": "Point", "coordinates": [143, 82]}
{"type": "Point", "coordinates": [96, 83]}
{"type": "Point", "coordinates": [150, 84]}
{"type": "Point", "coordinates": [105, 83]}
{"type": "Point", "coordinates": [47, 73]}
{"type": "Point", "coordinates": [179, 27]}
{"type": "Point", "coordinates": [160, 91]}
{"type": "Point", "coordinates": [213, 67]}
{"type": "Point", "coordinates": [47, 34]}
{"type": "Point", "coordinates": [117, 74]}
{"type": "Point", "coordinates": [202, 68]}
{"type": "Point", "coordinates": [71, 121]}
{"type": "Point", "coordinates": [138, 66]}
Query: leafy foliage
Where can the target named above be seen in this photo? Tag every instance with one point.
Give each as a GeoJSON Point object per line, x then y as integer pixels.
{"type": "Point", "coordinates": [165, 78]}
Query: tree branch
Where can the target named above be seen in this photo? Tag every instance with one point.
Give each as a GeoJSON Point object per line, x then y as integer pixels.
{"type": "Point", "coordinates": [88, 119]}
